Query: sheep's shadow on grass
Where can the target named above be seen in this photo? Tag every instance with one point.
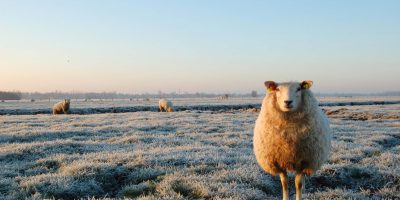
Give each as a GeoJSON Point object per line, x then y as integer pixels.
{"type": "Point", "coordinates": [391, 142]}
{"type": "Point", "coordinates": [350, 176]}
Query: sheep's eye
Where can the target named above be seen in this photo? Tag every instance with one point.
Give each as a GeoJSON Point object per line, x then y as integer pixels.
{"type": "Point", "coordinates": [298, 89]}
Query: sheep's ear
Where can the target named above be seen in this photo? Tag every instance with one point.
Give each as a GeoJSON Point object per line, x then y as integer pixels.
{"type": "Point", "coordinates": [306, 84]}
{"type": "Point", "coordinates": [271, 85]}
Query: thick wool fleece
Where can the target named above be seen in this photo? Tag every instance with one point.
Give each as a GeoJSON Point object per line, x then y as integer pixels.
{"type": "Point", "coordinates": [297, 141]}
{"type": "Point", "coordinates": [165, 105]}
{"type": "Point", "coordinates": [61, 107]}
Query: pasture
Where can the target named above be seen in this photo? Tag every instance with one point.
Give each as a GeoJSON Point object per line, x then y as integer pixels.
{"type": "Point", "coordinates": [191, 154]}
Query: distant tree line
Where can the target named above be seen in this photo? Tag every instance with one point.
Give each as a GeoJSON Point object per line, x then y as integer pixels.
{"type": "Point", "coordinates": [115, 95]}
{"type": "Point", "coordinates": [389, 93]}
{"type": "Point", "coordinates": [10, 96]}
{"type": "Point", "coordinates": [16, 95]}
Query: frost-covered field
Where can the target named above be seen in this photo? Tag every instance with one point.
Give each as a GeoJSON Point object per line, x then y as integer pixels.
{"type": "Point", "coordinates": [80, 106]}
{"type": "Point", "coordinates": [95, 103]}
{"type": "Point", "coordinates": [188, 155]}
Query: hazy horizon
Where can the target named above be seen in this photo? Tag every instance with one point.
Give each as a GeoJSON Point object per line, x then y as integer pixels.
{"type": "Point", "coordinates": [259, 92]}
{"type": "Point", "coordinates": [198, 46]}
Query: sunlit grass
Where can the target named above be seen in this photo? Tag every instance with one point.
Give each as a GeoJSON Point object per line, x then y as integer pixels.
{"type": "Point", "coordinates": [187, 155]}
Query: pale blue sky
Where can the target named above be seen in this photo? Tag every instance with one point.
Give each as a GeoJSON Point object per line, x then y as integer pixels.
{"type": "Point", "coordinates": [205, 46]}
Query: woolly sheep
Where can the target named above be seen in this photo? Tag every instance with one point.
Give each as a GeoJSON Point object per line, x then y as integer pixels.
{"type": "Point", "coordinates": [223, 97]}
{"type": "Point", "coordinates": [61, 107]}
{"type": "Point", "coordinates": [291, 133]}
{"type": "Point", "coordinates": [165, 105]}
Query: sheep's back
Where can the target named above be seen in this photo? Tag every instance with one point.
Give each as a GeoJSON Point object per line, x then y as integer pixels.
{"type": "Point", "coordinates": [58, 105]}
{"type": "Point", "coordinates": [163, 103]}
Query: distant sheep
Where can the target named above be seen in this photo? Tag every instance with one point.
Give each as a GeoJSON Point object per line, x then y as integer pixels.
{"type": "Point", "coordinates": [223, 97]}
{"type": "Point", "coordinates": [291, 134]}
{"type": "Point", "coordinates": [165, 105]}
{"type": "Point", "coordinates": [62, 107]}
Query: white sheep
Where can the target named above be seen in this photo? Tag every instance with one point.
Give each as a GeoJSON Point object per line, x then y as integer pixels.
{"type": "Point", "coordinates": [62, 107]}
{"type": "Point", "coordinates": [165, 105]}
{"type": "Point", "coordinates": [223, 97]}
{"type": "Point", "coordinates": [291, 133]}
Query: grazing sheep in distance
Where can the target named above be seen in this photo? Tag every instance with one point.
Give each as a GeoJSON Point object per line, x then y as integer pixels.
{"type": "Point", "coordinates": [165, 105]}
{"type": "Point", "coordinates": [62, 107]}
{"type": "Point", "coordinates": [291, 133]}
{"type": "Point", "coordinates": [223, 97]}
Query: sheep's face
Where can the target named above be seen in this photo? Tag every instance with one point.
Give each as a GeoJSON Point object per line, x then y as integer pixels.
{"type": "Point", "coordinates": [288, 95]}
{"type": "Point", "coordinates": [67, 101]}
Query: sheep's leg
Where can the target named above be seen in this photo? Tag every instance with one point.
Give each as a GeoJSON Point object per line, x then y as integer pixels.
{"type": "Point", "coordinates": [299, 181]}
{"type": "Point", "coordinates": [285, 185]}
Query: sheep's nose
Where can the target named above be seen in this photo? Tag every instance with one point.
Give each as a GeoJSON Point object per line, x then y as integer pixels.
{"type": "Point", "coordinates": [288, 102]}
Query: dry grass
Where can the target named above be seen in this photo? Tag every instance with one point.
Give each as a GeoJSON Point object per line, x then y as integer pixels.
{"type": "Point", "coordinates": [186, 155]}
